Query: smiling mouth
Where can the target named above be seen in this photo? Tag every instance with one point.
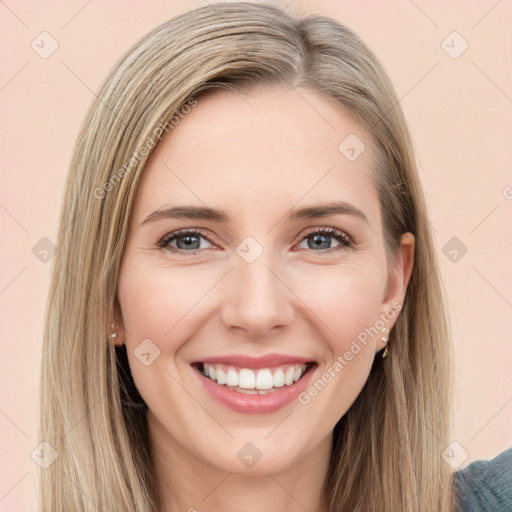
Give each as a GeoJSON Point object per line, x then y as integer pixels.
{"type": "Point", "coordinates": [254, 381]}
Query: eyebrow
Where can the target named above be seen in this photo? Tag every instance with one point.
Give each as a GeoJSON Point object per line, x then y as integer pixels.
{"type": "Point", "coordinates": [215, 215]}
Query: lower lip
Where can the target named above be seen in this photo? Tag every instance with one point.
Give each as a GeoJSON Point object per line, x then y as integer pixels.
{"type": "Point", "coordinates": [255, 404]}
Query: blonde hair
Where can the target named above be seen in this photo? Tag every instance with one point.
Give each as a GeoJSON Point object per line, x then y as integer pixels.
{"type": "Point", "coordinates": [387, 447]}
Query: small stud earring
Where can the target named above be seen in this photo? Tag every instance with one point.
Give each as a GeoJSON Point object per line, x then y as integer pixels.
{"type": "Point", "coordinates": [113, 337]}
{"type": "Point", "coordinates": [384, 339]}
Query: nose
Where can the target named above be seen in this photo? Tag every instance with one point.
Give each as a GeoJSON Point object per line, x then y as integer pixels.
{"type": "Point", "coordinates": [259, 304]}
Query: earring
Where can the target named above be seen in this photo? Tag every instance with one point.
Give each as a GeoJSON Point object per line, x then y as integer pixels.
{"type": "Point", "coordinates": [113, 337]}
{"type": "Point", "coordinates": [384, 339]}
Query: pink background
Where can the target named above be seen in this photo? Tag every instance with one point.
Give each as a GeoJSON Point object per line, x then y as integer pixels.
{"type": "Point", "coordinates": [460, 112]}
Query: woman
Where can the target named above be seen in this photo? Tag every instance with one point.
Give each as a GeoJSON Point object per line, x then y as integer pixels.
{"type": "Point", "coordinates": [298, 356]}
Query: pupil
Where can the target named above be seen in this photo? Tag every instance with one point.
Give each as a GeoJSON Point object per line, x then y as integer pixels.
{"type": "Point", "coordinates": [189, 241]}
{"type": "Point", "coordinates": [318, 242]}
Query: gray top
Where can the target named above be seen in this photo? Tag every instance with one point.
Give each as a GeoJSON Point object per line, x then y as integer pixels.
{"type": "Point", "coordinates": [486, 485]}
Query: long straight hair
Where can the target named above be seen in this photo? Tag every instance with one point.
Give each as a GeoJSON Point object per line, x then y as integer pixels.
{"type": "Point", "coordinates": [387, 447]}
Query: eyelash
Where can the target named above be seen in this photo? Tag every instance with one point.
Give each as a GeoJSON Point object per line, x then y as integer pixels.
{"type": "Point", "coordinates": [344, 239]}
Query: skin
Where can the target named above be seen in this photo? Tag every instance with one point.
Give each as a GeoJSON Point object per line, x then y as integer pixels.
{"type": "Point", "coordinates": [255, 157]}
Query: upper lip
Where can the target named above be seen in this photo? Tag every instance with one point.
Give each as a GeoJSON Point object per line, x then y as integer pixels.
{"type": "Point", "coordinates": [243, 361]}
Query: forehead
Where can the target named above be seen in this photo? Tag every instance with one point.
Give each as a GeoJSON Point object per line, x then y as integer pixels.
{"type": "Point", "coordinates": [269, 150]}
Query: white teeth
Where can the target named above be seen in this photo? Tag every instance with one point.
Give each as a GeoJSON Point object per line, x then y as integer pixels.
{"type": "Point", "coordinates": [288, 376]}
{"type": "Point", "coordinates": [264, 380]}
{"type": "Point", "coordinates": [221, 376]}
{"type": "Point", "coordinates": [250, 381]}
{"type": "Point", "coordinates": [247, 391]}
{"type": "Point", "coordinates": [278, 378]}
{"type": "Point", "coordinates": [231, 377]}
{"type": "Point", "coordinates": [246, 379]}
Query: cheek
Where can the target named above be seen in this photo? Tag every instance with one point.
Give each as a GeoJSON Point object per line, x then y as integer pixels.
{"type": "Point", "coordinates": [157, 307]}
{"type": "Point", "coordinates": [161, 309]}
{"type": "Point", "coordinates": [347, 305]}
{"type": "Point", "coordinates": [346, 300]}
{"type": "Point", "coordinates": [157, 303]}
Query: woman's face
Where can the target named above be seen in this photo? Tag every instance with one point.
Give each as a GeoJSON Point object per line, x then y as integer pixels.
{"type": "Point", "coordinates": [253, 288]}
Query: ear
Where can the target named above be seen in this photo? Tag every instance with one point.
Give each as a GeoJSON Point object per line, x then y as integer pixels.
{"type": "Point", "coordinates": [118, 321]}
{"type": "Point", "coordinates": [400, 275]}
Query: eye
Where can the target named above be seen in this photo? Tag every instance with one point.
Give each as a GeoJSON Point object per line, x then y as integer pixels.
{"type": "Point", "coordinates": [320, 239]}
{"type": "Point", "coordinates": [188, 241]}
{"type": "Point", "coordinates": [185, 239]}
